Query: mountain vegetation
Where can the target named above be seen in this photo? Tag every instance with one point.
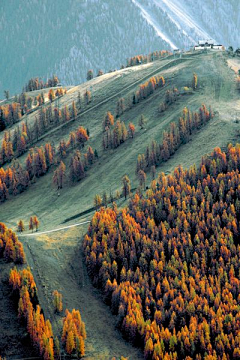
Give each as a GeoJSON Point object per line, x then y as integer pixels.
{"type": "Point", "coordinates": [89, 32]}
{"type": "Point", "coordinates": [83, 181]}
{"type": "Point", "coordinates": [168, 263]}
{"type": "Point", "coordinates": [11, 248]}
{"type": "Point", "coordinates": [93, 33]}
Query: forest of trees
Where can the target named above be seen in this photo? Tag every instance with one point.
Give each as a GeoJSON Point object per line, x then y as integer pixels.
{"type": "Point", "coordinates": [144, 59]}
{"type": "Point", "coordinates": [16, 178]}
{"type": "Point", "coordinates": [168, 264]}
{"type": "Point", "coordinates": [148, 88]}
{"type": "Point", "coordinates": [16, 143]}
{"type": "Point", "coordinates": [13, 112]}
{"type": "Point", "coordinates": [174, 137]}
{"type": "Point", "coordinates": [38, 84]}
{"type": "Point", "coordinates": [114, 135]}
{"type": "Point", "coordinates": [10, 248]}
{"type": "Point", "coordinates": [144, 90]}
{"type": "Point", "coordinates": [29, 312]}
{"type": "Point", "coordinates": [23, 104]}
{"type": "Point", "coordinates": [40, 332]}
{"type": "Point", "coordinates": [74, 333]}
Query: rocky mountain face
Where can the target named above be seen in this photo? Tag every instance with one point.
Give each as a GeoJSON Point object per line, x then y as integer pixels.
{"type": "Point", "coordinates": [39, 38]}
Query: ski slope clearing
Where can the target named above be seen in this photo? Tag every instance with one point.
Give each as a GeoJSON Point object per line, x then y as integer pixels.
{"type": "Point", "coordinates": [56, 262]}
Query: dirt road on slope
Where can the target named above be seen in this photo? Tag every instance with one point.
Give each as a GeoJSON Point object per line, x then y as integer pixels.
{"type": "Point", "coordinates": [57, 264]}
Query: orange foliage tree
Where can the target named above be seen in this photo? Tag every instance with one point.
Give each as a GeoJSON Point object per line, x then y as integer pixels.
{"type": "Point", "coordinates": [74, 333]}
{"type": "Point", "coordinates": [57, 301]}
{"type": "Point", "coordinates": [10, 248]}
{"type": "Point", "coordinates": [177, 135]}
{"type": "Point", "coordinates": [168, 264]}
{"type": "Point", "coordinates": [39, 329]}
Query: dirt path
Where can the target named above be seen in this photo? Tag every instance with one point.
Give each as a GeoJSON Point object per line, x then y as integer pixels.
{"type": "Point", "coordinates": [57, 263]}
{"type": "Point", "coordinates": [54, 230]}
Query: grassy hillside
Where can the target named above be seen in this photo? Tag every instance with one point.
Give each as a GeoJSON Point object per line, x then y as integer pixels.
{"type": "Point", "coordinates": [53, 257]}
{"type": "Point", "coordinates": [216, 89]}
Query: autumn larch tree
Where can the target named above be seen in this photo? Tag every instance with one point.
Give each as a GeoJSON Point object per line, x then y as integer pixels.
{"type": "Point", "coordinates": [70, 344]}
{"type": "Point", "coordinates": [72, 140]}
{"type": "Point", "coordinates": [36, 222]}
{"type": "Point", "coordinates": [105, 199]}
{"type": "Point", "coordinates": [62, 148]}
{"type": "Point", "coordinates": [74, 333]}
{"type": "Point", "coordinates": [61, 173]}
{"type": "Point", "coordinates": [131, 129]}
{"type": "Point", "coordinates": [87, 97]}
{"type": "Point", "coordinates": [66, 114]}
{"type": "Point", "coordinates": [153, 171]}
{"type": "Point", "coordinates": [57, 301]}
{"type": "Point", "coordinates": [90, 155]}
{"type": "Point", "coordinates": [81, 136]}
{"type": "Point", "coordinates": [77, 171]}
{"type": "Point", "coordinates": [20, 226]}
{"type": "Point", "coordinates": [108, 121]}
{"type": "Point", "coordinates": [97, 201]}
{"type": "Point", "coordinates": [126, 186]}
{"type": "Point", "coordinates": [51, 95]}
{"type": "Point", "coordinates": [194, 81]}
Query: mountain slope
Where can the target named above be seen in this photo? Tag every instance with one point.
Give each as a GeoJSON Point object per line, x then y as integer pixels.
{"type": "Point", "coordinates": [217, 88]}
{"type": "Point", "coordinates": [185, 22]}
{"type": "Point", "coordinates": [220, 18]}
{"type": "Point", "coordinates": [68, 38]}
{"type": "Point", "coordinates": [55, 257]}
